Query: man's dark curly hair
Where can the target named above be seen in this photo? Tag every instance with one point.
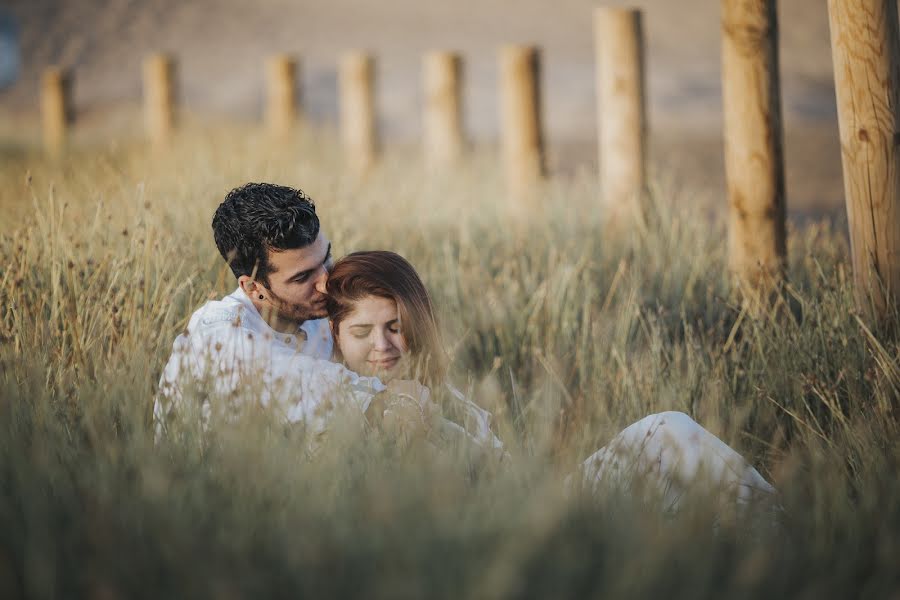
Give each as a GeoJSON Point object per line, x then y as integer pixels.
{"type": "Point", "coordinates": [257, 218]}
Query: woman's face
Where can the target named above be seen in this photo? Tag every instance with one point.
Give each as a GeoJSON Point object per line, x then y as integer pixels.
{"type": "Point", "coordinates": [369, 338]}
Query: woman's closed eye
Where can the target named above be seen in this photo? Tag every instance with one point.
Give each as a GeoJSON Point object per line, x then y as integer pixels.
{"type": "Point", "coordinates": [360, 332]}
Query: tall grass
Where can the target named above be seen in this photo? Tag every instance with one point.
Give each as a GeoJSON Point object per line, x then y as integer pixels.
{"type": "Point", "coordinates": [564, 335]}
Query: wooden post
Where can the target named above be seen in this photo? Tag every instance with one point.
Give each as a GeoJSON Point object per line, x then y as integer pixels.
{"type": "Point", "coordinates": [281, 99]}
{"type": "Point", "coordinates": [358, 125]}
{"type": "Point", "coordinates": [866, 54]}
{"type": "Point", "coordinates": [520, 117]}
{"type": "Point", "coordinates": [56, 108]}
{"type": "Point", "coordinates": [621, 112]}
{"type": "Point", "coordinates": [754, 159]}
{"type": "Point", "coordinates": [442, 124]}
{"type": "Point", "coordinates": [159, 97]}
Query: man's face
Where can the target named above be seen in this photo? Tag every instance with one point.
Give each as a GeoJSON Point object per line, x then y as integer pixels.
{"type": "Point", "coordinates": [294, 276]}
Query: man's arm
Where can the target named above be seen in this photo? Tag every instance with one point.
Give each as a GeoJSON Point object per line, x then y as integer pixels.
{"type": "Point", "coordinates": [234, 362]}
{"type": "Point", "coordinates": [238, 365]}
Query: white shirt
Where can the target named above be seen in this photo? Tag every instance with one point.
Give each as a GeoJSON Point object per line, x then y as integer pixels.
{"type": "Point", "coordinates": [228, 355]}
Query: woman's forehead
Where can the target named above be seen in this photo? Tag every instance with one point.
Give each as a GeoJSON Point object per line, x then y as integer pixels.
{"type": "Point", "coordinates": [373, 309]}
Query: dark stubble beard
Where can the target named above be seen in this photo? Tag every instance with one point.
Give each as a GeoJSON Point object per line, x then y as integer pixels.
{"type": "Point", "coordinates": [297, 313]}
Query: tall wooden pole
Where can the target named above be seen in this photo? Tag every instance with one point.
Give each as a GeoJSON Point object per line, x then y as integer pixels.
{"type": "Point", "coordinates": [520, 117]}
{"type": "Point", "coordinates": [442, 126]}
{"type": "Point", "coordinates": [754, 156]}
{"type": "Point", "coordinates": [621, 112]}
{"type": "Point", "coordinates": [866, 54]}
{"type": "Point", "coordinates": [56, 108]}
{"type": "Point", "coordinates": [357, 106]}
{"type": "Point", "coordinates": [159, 97]}
{"type": "Point", "coordinates": [281, 96]}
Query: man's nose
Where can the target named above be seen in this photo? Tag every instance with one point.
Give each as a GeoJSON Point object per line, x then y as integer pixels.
{"type": "Point", "coordinates": [321, 281]}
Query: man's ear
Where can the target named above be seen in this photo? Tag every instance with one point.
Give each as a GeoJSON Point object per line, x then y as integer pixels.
{"type": "Point", "coordinates": [249, 285]}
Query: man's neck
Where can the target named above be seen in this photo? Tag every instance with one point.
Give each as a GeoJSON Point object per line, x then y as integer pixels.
{"type": "Point", "coordinates": [274, 319]}
{"type": "Point", "coordinates": [283, 325]}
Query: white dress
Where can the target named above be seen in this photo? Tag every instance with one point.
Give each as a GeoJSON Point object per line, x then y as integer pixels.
{"type": "Point", "coordinates": [666, 454]}
{"type": "Point", "coordinates": [669, 454]}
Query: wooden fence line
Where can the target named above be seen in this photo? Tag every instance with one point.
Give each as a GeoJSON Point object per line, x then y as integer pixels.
{"type": "Point", "coordinates": [442, 128]}
{"type": "Point", "coordinates": [520, 115]}
{"type": "Point", "coordinates": [281, 112]}
{"type": "Point", "coordinates": [56, 108]}
{"type": "Point", "coordinates": [357, 111]}
{"type": "Point", "coordinates": [866, 55]}
{"type": "Point", "coordinates": [865, 48]}
{"type": "Point", "coordinates": [621, 112]}
{"type": "Point", "coordinates": [159, 97]}
{"type": "Point", "coordinates": [754, 162]}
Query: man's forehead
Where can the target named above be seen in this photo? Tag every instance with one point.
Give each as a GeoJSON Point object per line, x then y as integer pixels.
{"type": "Point", "coordinates": [300, 258]}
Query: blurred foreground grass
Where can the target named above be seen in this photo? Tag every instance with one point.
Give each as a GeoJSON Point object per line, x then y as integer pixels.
{"type": "Point", "coordinates": [567, 337]}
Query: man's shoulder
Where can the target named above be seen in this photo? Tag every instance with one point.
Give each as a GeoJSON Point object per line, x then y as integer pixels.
{"type": "Point", "coordinates": [317, 327]}
{"type": "Point", "coordinates": [319, 343]}
{"type": "Point", "coordinates": [228, 311]}
{"type": "Point", "coordinates": [214, 313]}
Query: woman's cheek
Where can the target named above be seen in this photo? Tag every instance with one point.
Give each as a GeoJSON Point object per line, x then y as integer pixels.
{"type": "Point", "coordinates": [355, 354]}
{"type": "Point", "coordinates": [400, 343]}
{"type": "Point", "coordinates": [363, 367]}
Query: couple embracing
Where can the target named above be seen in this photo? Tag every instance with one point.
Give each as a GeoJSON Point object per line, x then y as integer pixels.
{"type": "Point", "coordinates": [307, 338]}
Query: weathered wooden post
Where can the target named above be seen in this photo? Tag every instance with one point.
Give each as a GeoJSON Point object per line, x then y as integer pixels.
{"type": "Point", "coordinates": [621, 111]}
{"type": "Point", "coordinates": [159, 97]}
{"type": "Point", "coordinates": [754, 161]}
{"type": "Point", "coordinates": [357, 106]}
{"type": "Point", "coordinates": [442, 126]}
{"type": "Point", "coordinates": [281, 97]}
{"type": "Point", "coordinates": [56, 108]}
{"type": "Point", "coordinates": [520, 117]}
{"type": "Point", "coordinates": [866, 54]}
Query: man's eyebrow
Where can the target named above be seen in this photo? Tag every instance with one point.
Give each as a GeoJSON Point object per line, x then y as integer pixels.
{"type": "Point", "coordinates": [300, 274]}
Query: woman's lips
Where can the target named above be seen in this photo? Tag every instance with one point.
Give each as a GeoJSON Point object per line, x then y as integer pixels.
{"type": "Point", "coordinates": [385, 363]}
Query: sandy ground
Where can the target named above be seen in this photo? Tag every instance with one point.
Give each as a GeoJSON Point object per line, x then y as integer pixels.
{"type": "Point", "coordinates": [221, 45]}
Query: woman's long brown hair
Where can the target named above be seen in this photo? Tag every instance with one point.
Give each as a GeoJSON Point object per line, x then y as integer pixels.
{"type": "Point", "coordinates": [388, 275]}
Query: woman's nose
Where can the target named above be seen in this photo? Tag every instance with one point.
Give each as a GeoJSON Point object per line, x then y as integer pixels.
{"type": "Point", "coordinates": [381, 342]}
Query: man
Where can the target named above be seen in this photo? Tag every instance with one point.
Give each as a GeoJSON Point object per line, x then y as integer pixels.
{"type": "Point", "coordinates": [268, 343]}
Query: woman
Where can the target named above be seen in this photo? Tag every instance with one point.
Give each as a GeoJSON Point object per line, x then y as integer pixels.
{"type": "Point", "coordinates": [384, 325]}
